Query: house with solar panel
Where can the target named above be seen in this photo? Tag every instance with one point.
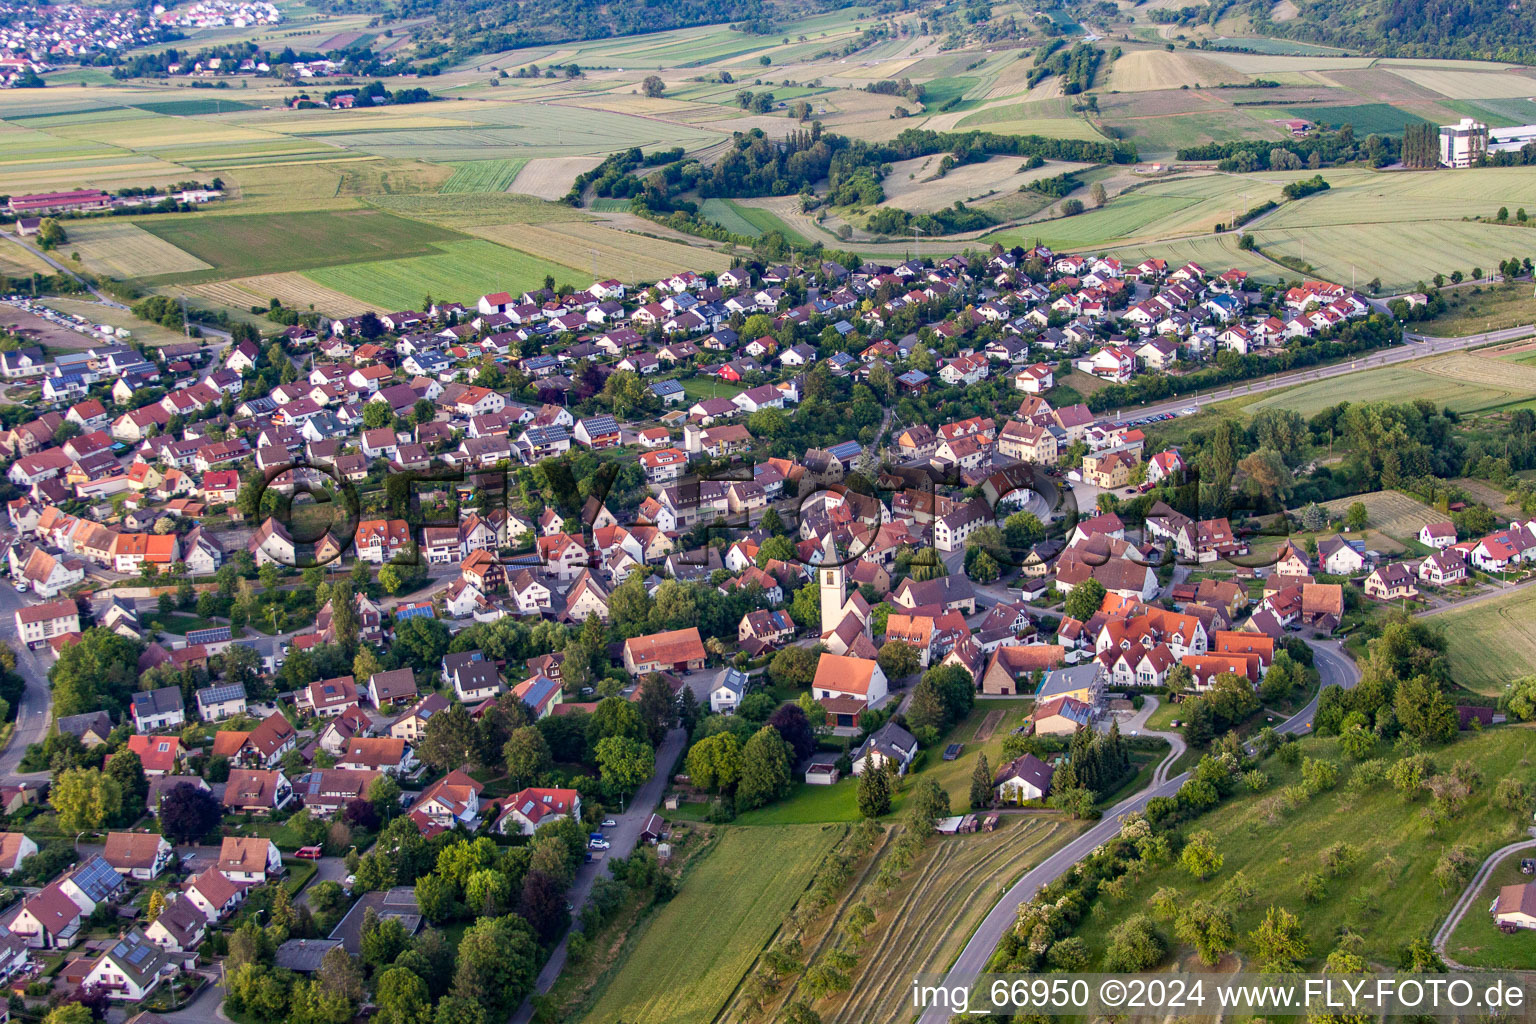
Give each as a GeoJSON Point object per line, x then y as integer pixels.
{"type": "Point", "coordinates": [523, 812]}
{"type": "Point", "coordinates": [92, 883]}
{"type": "Point", "coordinates": [132, 969]}
{"type": "Point", "coordinates": [216, 639]}
{"type": "Point", "coordinates": [220, 701]}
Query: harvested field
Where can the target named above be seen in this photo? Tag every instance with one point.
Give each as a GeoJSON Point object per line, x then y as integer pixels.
{"type": "Point", "coordinates": [551, 177]}
{"type": "Point", "coordinates": [1400, 383]}
{"type": "Point", "coordinates": [387, 177]}
{"type": "Point", "coordinates": [1470, 85]}
{"type": "Point", "coordinates": [1479, 369]}
{"type": "Point", "coordinates": [1493, 497]}
{"type": "Point", "coordinates": [906, 188]}
{"type": "Point", "coordinates": [117, 248]}
{"type": "Point", "coordinates": [1400, 254]}
{"type": "Point", "coordinates": [1143, 70]}
{"type": "Point", "coordinates": [292, 289]}
{"type": "Point", "coordinates": [16, 261]}
{"type": "Point", "coordinates": [605, 251]}
{"type": "Point", "coordinates": [1390, 512]}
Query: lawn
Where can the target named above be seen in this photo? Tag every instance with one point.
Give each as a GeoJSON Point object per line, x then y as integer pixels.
{"type": "Point", "coordinates": [808, 804]}
{"type": "Point", "coordinates": [955, 776]}
{"type": "Point", "coordinates": [458, 271]}
{"type": "Point", "coordinates": [1491, 643]}
{"type": "Point", "coordinates": [695, 950]}
{"type": "Point", "coordinates": [1477, 941]}
{"type": "Point", "coordinates": [698, 388]}
{"type": "Point", "coordinates": [1388, 897]}
{"type": "Point", "coordinates": [178, 623]}
{"type": "Point", "coordinates": [245, 245]}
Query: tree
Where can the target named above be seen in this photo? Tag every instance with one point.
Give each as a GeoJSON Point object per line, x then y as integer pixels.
{"type": "Point", "coordinates": [390, 578]}
{"type": "Point", "coordinates": [448, 740]}
{"type": "Point", "coordinates": [714, 763]}
{"type": "Point", "coordinates": [658, 707]}
{"type": "Point", "coordinates": [1098, 194]}
{"type": "Point", "coordinates": [1134, 945]}
{"type": "Point", "coordinates": [376, 415]}
{"type": "Point", "coordinates": [436, 897]}
{"type": "Point", "coordinates": [127, 771]}
{"type": "Point", "coordinates": [1200, 857]}
{"type": "Point", "coordinates": [981, 783]}
{"type": "Point", "coordinates": [69, 1013]}
{"type": "Point", "coordinates": [1423, 710]}
{"type": "Point", "coordinates": [497, 962]}
{"type": "Point", "coordinates": [1085, 599]}
{"type": "Point", "coordinates": [85, 799]}
{"type": "Point", "coordinates": [155, 907]}
{"type": "Point", "coordinates": [653, 86]}
{"type": "Point", "coordinates": [624, 763]}
{"type": "Point", "coordinates": [765, 769]}
{"type": "Point", "coordinates": [898, 659]}
{"type": "Point", "coordinates": [402, 998]}
{"type": "Point", "coordinates": [874, 789]}
{"type": "Point", "coordinates": [1277, 942]}
{"type": "Point", "coordinates": [794, 667]}
{"type": "Point", "coordinates": [543, 905]}
{"type": "Point", "coordinates": [526, 754]}
{"type": "Point", "coordinates": [1208, 927]}
{"type": "Point", "coordinates": [795, 729]}
{"type": "Point", "coordinates": [1356, 517]}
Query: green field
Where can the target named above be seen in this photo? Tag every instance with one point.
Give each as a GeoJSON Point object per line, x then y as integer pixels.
{"type": "Point", "coordinates": [249, 244]}
{"type": "Point", "coordinates": [1401, 255]}
{"type": "Point", "coordinates": [695, 950]}
{"type": "Point", "coordinates": [730, 216]}
{"type": "Point", "coordinates": [1388, 897]}
{"type": "Point", "coordinates": [1490, 643]}
{"type": "Point", "coordinates": [1367, 118]}
{"type": "Point", "coordinates": [185, 108]}
{"type": "Point", "coordinates": [1398, 383]}
{"type": "Point", "coordinates": [458, 271]}
{"type": "Point", "coordinates": [941, 91]}
{"type": "Point", "coordinates": [483, 176]}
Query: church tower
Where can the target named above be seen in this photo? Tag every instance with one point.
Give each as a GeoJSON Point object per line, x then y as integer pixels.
{"type": "Point", "coordinates": [830, 578]}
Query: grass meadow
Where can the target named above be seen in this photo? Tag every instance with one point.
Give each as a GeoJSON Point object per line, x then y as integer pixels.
{"type": "Point", "coordinates": [695, 950]}
{"type": "Point", "coordinates": [1387, 895]}
{"type": "Point", "coordinates": [1490, 644]}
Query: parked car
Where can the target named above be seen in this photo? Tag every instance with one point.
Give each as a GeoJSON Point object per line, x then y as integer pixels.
{"type": "Point", "coordinates": [308, 852]}
{"type": "Point", "coordinates": [599, 844]}
{"type": "Point", "coordinates": [609, 823]}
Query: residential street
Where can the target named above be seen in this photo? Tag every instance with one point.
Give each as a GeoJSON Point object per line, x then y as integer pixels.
{"type": "Point", "coordinates": [624, 836]}
{"type": "Point", "coordinates": [33, 715]}
{"type": "Point", "coordinates": [1334, 667]}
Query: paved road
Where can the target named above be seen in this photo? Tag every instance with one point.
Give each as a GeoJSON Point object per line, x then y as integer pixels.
{"type": "Point", "coordinates": [1334, 667]}
{"type": "Point", "coordinates": [624, 836]}
{"type": "Point", "coordinates": [36, 700]}
{"type": "Point", "coordinates": [1417, 346]}
{"type": "Point", "coordinates": [1136, 725]}
{"type": "Point", "coordinates": [1504, 590]}
{"type": "Point", "coordinates": [1443, 935]}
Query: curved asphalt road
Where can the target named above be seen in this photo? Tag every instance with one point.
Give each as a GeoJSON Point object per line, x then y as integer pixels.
{"type": "Point", "coordinates": [1334, 668]}
{"type": "Point", "coordinates": [1443, 935]}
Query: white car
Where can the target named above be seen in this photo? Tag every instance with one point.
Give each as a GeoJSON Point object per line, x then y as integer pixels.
{"type": "Point", "coordinates": [609, 823]}
{"type": "Point", "coordinates": [21, 586]}
{"type": "Point", "coordinates": [599, 844]}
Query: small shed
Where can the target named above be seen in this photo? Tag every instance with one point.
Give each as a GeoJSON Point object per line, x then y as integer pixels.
{"type": "Point", "coordinates": [822, 773]}
{"type": "Point", "coordinates": [655, 829]}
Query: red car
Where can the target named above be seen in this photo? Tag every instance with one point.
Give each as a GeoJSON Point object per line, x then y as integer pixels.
{"type": "Point", "coordinates": [308, 852]}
